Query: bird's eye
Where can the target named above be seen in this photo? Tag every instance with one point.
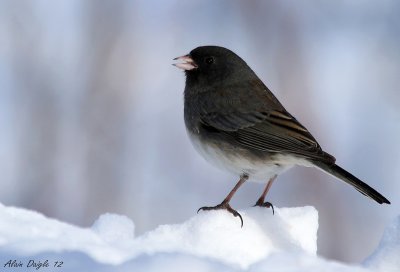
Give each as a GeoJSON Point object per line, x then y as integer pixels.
{"type": "Point", "coordinates": [209, 60]}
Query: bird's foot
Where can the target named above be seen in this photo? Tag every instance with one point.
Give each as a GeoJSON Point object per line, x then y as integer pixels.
{"type": "Point", "coordinates": [261, 203]}
{"type": "Point", "coordinates": [223, 206]}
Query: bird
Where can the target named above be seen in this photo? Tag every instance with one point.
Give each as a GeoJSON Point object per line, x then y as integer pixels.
{"type": "Point", "coordinates": [237, 124]}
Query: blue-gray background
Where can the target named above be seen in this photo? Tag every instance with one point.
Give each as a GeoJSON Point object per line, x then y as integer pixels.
{"type": "Point", "coordinates": [91, 110]}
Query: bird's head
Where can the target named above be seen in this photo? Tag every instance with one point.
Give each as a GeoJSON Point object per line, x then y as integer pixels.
{"type": "Point", "coordinates": [211, 65]}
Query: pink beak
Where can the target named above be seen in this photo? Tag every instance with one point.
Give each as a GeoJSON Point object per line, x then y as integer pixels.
{"type": "Point", "coordinates": [187, 63]}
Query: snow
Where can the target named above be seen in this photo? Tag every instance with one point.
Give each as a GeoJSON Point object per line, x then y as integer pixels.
{"type": "Point", "coordinates": [387, 256]}
{"type": "Point", "coordinates": [217, 234]}
{"type": "Point", "coordinates": [209, 241]}
{"type": "Point", "coordinates": [114, 228]}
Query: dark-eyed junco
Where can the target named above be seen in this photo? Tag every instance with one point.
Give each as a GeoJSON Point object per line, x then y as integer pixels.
{"type": "Point", "coordinates": [236, 123]}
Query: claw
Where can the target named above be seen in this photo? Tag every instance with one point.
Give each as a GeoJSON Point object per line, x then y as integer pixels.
{"type": "Point", "coordinates": [236, 214]}
{"type": "Point", "coordinates": [223, 206]}
{"type": "Point", "coordinates": [266, 205]}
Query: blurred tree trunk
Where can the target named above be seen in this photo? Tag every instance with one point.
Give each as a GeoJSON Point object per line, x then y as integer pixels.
{"type": "Point", "coordinates": [36, 114]}
{"type": "Point", "coordinates": [104, 111]}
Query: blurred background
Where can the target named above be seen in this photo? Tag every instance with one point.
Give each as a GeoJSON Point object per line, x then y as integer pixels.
{"type": "Point", "coordinates": [91, 109]}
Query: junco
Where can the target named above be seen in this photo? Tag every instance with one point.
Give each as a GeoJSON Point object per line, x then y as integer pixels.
{"type": "Point", "coordinates": [236, 123]}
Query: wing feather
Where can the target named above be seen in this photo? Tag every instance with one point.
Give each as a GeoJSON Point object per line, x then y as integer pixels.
{"type": "Point", "coordinates": [257, 120]}
{"type": "Point", "coordinates": [272, 132]}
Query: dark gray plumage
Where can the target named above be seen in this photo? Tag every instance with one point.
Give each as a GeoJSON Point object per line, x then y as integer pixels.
{"type": "Point", "coordinates": [236, 123]}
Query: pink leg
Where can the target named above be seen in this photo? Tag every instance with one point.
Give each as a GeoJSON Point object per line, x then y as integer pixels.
{"type": "Point", "coordinates": [261, 201]}
{"type": "Point", "coordinates": [225, 203]}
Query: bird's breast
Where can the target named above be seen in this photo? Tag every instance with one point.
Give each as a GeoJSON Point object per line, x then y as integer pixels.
{"type": "Point", "coordinates": [238, 160]}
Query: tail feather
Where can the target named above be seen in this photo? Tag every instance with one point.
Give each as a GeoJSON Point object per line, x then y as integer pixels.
{"type": "Point", "coordinates": [360, 186]}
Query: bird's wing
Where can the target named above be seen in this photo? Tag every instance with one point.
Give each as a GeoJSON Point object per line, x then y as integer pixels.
{"type": "Point", "coordinates": [268, 131]}
{"type": "Point", "coordinates": [267, 128]}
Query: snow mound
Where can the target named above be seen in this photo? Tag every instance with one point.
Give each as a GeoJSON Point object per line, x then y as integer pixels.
{"type": "Point", "coordinates": [217, 234]}
{"type": "Point", "coordinates": [26, 232]}
{"type": "Point", "coordinates": [386, 257]}
{"type": "Point", "coordinates": [209, 241]}
{"type": "Point", "coordinates": [114, 228]}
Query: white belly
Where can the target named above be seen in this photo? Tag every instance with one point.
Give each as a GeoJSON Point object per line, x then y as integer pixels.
{"type": "Point", "coordinates": [258, 170]}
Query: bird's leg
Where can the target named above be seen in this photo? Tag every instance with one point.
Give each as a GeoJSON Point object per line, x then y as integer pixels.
{"type": "Point", "coordinates": [225, 203]}
{"type": "Point", "coordinates": [261, 201]}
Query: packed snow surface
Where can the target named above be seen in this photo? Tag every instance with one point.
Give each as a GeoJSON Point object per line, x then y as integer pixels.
{"type": "Point", "coordinates": [209, 241]}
